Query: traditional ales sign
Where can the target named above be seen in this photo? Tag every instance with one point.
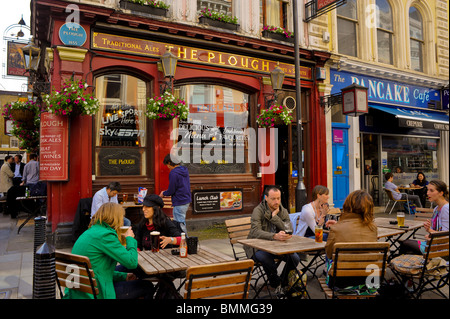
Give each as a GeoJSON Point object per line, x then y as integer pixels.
{"type": "Point", "coordinates": [54, 148]}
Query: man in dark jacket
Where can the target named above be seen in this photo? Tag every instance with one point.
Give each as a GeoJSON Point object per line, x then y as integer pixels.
{"type": "Point", "coordinates": [17, 167]}
{"type": "Point", "coordinates": [268, 222]}
{"type": "Point", "coordinates": [179, 189]}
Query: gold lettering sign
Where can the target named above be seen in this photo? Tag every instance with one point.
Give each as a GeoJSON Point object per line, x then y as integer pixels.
{"type": "Point", "coordinates": [109, 42]}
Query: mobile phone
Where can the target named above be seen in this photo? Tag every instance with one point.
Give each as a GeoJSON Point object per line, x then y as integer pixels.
{"type": "Point", "coordinates": [175, 251]}
{"type": "Point", "coordinates": [404, 226]}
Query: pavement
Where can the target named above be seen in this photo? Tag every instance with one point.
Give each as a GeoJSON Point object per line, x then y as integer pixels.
{"type": "Point", "coordinates": [16, 258]}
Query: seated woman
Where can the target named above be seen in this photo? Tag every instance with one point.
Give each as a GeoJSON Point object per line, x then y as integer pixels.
{"type": "Point", "coordinates": [355, 225]}
{"type": "Point", "coordinates": [155, 220]}
{"type": "Point", "coordinates": [438, 194]}
{"type": "Point", "coordinates": [314, 213]}
{"type": "Point", "coordinates": [101, 244]}
{"type": "Point", "coordinates": [420, 185]}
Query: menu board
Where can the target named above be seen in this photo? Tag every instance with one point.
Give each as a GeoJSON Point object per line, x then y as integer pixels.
{"type": "Point", "coordinates": [54, 148]}
{"type": "Point", "coordinates": [210, 201]}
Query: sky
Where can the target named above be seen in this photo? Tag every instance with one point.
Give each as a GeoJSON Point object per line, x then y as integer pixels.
{"type": "Point", "coordinates": [10, 13]}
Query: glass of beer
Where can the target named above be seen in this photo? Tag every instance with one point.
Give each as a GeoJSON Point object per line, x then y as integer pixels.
{"type": "Point", "coordinates": [288, 228]}
{"type": "Point", "coordinates": [154, 238]}
{"type": "Point", "coordinates": [318, 231]}
{"type": "Point", "coordinates": [123, 230]}
{"type": "Point", "coordinates": [401, 219]}
{"type": "Point", "coordinates": [136, 199]}
{"type": "Point", "coordinates": [125, 198]}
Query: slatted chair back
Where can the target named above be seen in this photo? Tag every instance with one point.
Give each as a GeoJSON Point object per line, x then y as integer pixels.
{"type": "Point", "coordinates": [437, 246]}
{"type": "Point", "coordinates": [75, 272]}
{"type": "Point", "coordinates": [238, 228]}
{"type": "Point", "coordinates": [395, 201]}
{"type": "Point", "coordinates": [219, 281]}
{"type": "Point", "coordinates": [423, 213]}
{"type": "Point", "coordinates": [356, 260]}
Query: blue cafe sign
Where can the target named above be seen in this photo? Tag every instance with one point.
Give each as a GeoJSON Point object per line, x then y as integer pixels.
{"type": "Point", "coordinates": [72, 34]}
{"type": "Point", "coordinates": [385, 91]}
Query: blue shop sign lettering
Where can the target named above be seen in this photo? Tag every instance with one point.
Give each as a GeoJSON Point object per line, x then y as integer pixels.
{"type": "Point", "coordinates": [72, 34]}
{"type": "Point", "coordinates": [384, 91]}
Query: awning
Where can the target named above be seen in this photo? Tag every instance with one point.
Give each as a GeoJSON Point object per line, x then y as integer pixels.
{"type": "Point", "coordinates": [415, 118]}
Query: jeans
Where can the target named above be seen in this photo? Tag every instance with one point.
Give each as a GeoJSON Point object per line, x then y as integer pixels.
{"type": "Point", "coordinates": [412, 198]}
{"type": "Point", "coordinates": [179, 213]}
{"type": "Point", "coordinates": [134, 289]}
{"type": "Point", "coordinates": [270, 267]}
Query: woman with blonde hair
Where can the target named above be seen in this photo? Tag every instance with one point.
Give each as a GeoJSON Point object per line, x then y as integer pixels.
{"type": "Point", "coordinates": [102, 245]}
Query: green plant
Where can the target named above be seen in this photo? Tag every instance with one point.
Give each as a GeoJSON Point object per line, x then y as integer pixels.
{"type": "Point", "coordinates": [152, 3]}
{"type": "Point", "coordinates": [273, 29]}
{"type": "Point", "coordinates": [166, 107]}
{"type": "Point", "coordinates": [72, 96]}
{"type": "Point", "coordinates": [214, 15]}
{"type": "Point", "coordinates": [273, 115]}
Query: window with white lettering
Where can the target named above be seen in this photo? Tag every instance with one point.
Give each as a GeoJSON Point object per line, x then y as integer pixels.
{"type": "Point", "coordinates": [120, 126]}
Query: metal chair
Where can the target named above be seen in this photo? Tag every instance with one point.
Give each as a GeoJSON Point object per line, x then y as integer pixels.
{"type": "Point", "coordinates": [417, 271]}
{"type": "Point", "coordinates": [219, 281]}
{"type": "Point", "coordinates": [355, 260]}
{"type": "Point", "coordinates": [394, 201]}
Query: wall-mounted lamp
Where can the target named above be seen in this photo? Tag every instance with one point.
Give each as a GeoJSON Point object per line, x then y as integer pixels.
{"type": "Point", "coordinates": [277, 79]}
{"type": "Point", "coordinates": [32, 56]}
{"type": "Point", "coordinates": [169, 65]}
{"type": "Point", "coordinates": [353, 98]}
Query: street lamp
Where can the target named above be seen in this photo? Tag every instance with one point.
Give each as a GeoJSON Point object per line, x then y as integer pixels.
{"type": "Point", "coordinates": [169, 65]}
{"type": "Point", "coordinates": [32, 57]}
{"type": "Point", "coordinates": [277, 79]}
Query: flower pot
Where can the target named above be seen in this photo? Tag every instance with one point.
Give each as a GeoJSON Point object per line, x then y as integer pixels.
{"type": "Point", "coordinates": [124, 4]}
{"type": "Point", "coordinates": [218, 24]}
{"type": "Point", "coordinates": [22, 115]}
{"type": "Point", "coordinates": [277, 36]}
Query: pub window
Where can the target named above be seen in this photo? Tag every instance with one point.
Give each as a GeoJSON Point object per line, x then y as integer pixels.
{"type": "Point", "coordinates": [120, 126]}
{"type": "Point", "coordinates": [213, 140]}
{"type": "Point", "coordinates": [385, 32]}
{"type": "Point", "coordinates": [221, 6]}
{"type": "Point", "coordinates": [347, 21]}
{"type": "Point", "coordinates": [274, 12]}
{"type": "Point", "coordinates": [416, 39]}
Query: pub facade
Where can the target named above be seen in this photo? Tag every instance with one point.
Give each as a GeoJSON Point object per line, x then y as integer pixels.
{"type": "Point", "coordinates": [224, 77]}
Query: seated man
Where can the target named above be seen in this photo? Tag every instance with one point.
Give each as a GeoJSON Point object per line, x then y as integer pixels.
{"type": "Point", "coordinates": [396, 193]}
{"type": "Point", "coordinates": [267, 222]}
{"type": "Point", "coordinates": [105, 195]}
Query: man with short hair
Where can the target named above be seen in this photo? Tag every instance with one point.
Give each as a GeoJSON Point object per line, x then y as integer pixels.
{"type": "Point", "coordinates": [105, 195]}
{"type": "Point", "coordinates": [30, 176]}
{"type": "Point", "coordinates": [389, 185]}
{"type": "Point", "coordinates": [6, 175]}
{"type": "Point", "coordinates": [17, 167]}
{"type": "Point", "coordinates": [268, 222]}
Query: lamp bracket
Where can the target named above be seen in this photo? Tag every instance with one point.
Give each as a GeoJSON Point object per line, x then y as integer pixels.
{"type": "Point", "coordinates": [328, 101]}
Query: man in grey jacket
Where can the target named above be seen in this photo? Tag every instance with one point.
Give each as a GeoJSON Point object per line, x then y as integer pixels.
{"type": "Point", "coordinates": [268, 222]}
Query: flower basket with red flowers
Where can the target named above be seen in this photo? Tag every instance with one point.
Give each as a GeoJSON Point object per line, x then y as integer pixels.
{"type": "Point", "coordinates": [167, 107]}
{"type": "Point", "coordinates": [274, 115]}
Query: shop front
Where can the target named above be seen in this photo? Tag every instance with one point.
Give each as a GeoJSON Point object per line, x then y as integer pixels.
{"type": "Point", "coordinates": [225, 85]}
{"type": "Point", "coordinates": [403, 133]}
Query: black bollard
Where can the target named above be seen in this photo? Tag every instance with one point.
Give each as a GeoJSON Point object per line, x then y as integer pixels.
{"type": "Point", "coordinates": [44, 275]}
{"type": "Point", "coordinates": [39, 232]}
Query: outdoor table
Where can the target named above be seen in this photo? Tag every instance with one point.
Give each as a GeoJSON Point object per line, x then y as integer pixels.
{"type": "Point", "coordinates": [297, 244]}
{"type": "Point", "coordinates": [35, 211]}
{"type": "Point", "coordinates": [130, 205]}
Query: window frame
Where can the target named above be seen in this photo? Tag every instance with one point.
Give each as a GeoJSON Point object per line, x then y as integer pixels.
{"type": "Point", "coordinates": [355, 23]}
{"type": "Point", "coordinates": [386, 31]}
{"type": "Point", "coordinates": [421, 42]}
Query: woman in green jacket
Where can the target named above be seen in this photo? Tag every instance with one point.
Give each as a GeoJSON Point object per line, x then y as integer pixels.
{"type": "Point", "coordinates": [101, 244]}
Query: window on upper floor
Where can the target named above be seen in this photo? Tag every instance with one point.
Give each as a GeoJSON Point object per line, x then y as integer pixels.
{"type": "Point", "coordinates": [385, 32]}
{"type": "Point", "coordinates": [347, 21]}
{"type": "Point", "coordinates": [221, 6]}
{"type": "Point", "coordinates": [416, 40]}
{"type": "Point", "coordinates": [274, 12]}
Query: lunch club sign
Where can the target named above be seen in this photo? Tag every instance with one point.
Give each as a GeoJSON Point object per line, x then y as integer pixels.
{"type": "Point", "coordinates": [109, 42]}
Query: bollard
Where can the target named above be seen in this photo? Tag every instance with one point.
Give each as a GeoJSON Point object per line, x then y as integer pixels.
{"type": "Point", "coordinates": [44, 275]}
{"type": "Point", "coordinates": [39, 231]}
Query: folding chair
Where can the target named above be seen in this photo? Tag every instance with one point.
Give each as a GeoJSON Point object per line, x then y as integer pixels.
{"type": "Point", "coordinates": [394, 201]}
{"type": "Point", "coordinates": [75, 272]}
{"type": "Point", "coordinates": [219, 281]}
{"type": "Point", "coordinates": [418, 268]}
{"type": "Point", "coordinates": [356, 260]}
{"type": "Point", "coordinates": [239, 228]}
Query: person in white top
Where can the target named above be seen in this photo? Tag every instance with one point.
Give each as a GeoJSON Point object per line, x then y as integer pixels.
{"type": "Point", "coordinates": [314, 213]}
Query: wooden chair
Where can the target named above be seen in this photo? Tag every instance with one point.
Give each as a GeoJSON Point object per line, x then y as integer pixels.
{"type": "Point", "coordinates": [239, 228]}
{"type": "Point", "coordinates": [75, 272]}
{"type": "Point", "coordinates": [219, 281]}
{"type": "Point", "coordinates": [423, 213]}
{"type": "Point", "coordinates": [394, 201]}
{"type": "Point", "coordinates": [355, 260]}
{"type": "Point", "coordinates": [422, 280]}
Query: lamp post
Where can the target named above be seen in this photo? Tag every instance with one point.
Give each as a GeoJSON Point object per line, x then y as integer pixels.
{"type": "Point", "coordinates": [169, 65]}
{"type": "Point", "coordinates": [277, 78]}
{"type": "Point", "coordinates": [300, 191]}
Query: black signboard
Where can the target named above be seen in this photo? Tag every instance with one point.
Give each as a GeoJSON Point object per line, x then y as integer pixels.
{"type": "Point", "coordinates": [213, 201]}
{"type": "Point", "coordinates": [410, 123]}
{"type": "Point", "coordinates": [316, 8]}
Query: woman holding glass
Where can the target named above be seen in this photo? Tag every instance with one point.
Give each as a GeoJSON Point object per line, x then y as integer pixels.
{"type": "Point", "coordinates": [313, 214]}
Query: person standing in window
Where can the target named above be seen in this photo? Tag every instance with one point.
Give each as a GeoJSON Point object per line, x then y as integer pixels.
{"type": "Point", "coordinates": [179, 189]}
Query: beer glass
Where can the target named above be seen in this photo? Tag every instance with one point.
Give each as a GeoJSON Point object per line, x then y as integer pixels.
{"type": "Point", "coordinates": [154, 238]}
{"type": "Point", "coordinates": [318, 231]}
{"type": "Point", "coordinates": [401, 219]}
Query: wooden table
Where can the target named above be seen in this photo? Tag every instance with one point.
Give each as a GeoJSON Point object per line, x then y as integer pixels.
{"type": "Point", "coordinates": [297, 244]}
{"type": "Point", "coordinates": [385, 222]}
{"type": "Point", "coordinates": [126, 205]}
{"type": "Point", "coordinates": [37, 209]}
{"type": "Point", "coordinates": [164, 262]}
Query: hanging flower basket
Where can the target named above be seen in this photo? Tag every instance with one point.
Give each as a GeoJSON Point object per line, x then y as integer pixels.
{"type": "Point", "coordinates": [218, 20]}
{"type": "Point", "coordinates": [167, 107]}
{"type": "Point", "coordinates": [277, 33]}
{"type": "Point", "coordinates": [275, 115]}
{"type": "Point", "coordinates": [25, 116]}
{"type": "Point", "coordinates": [72, 100]}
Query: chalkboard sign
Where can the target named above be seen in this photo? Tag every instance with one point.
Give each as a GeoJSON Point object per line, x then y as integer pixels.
{"type": "Point", "coordinates": [212, 201]}
{"type": "Point", "coordinates": [54, 148]}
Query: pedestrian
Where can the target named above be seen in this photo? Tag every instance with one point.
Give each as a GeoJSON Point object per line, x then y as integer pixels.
{"type": "Point", "coordinates": [30, 176]}
{"type": "Point", "coordinates": [179, 189]}
{"type": "Point", "coordinates": [17, 167]}
{"type": "Point", "coordinates": [107, 194]}
{"type": "Point", "coordinates": [268, 222]}
{"type": "Point", "coordinates": [6, 175]}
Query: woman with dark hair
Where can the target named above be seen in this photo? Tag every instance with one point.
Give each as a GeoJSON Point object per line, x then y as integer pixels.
{"type": "Point", "coordinates": [420, 187]}
{"type": "Point", "coordinates": [156, 220]}
{"type": "Point", "coordinates": [314, 213]}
